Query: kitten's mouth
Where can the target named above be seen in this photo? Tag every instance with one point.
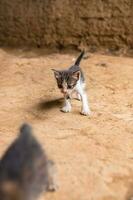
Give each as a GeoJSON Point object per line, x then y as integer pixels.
{"type": "Point", "coordinates": [65, 93]}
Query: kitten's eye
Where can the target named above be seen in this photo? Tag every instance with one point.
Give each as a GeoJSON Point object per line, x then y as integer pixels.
{"type": "Point", "coordinates": [59, 86]}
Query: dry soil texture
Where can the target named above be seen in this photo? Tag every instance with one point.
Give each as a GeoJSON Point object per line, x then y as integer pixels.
{"type": "Point", "coordinates": [94, 155]}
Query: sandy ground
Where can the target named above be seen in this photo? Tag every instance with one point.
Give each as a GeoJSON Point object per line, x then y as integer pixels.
{"type": "Point", "coordinates": [94, 155]}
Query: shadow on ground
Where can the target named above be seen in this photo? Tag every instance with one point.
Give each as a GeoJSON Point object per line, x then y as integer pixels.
{"type": "Point", "coordinates": [41, 109]}
{"type": "Point", "coordinates": [49, 104]}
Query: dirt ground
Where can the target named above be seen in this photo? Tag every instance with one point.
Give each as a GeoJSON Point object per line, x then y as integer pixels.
{"type": "Point", "coordinates": [94, 155]}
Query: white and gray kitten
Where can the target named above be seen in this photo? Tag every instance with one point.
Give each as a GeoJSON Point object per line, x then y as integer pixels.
{"type": "Point", "coordinates": [72, 81]}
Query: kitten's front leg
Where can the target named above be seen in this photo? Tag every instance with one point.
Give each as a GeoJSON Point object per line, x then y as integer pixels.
{"type": "Point", "coordinates": [85, 106]}
{"type": "Point", "coordinates": [67, 106]}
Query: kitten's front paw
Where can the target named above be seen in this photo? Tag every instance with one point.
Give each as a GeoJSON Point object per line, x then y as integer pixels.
{"type": "Point", "coordinates": [66, 109]}
{"type": "Point", "coordinates": [86, 112]}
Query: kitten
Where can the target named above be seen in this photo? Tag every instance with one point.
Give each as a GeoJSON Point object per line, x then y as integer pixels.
{"type": "Point", "coordinates": [71, 81]}
{"type": "Point", "coordinates": [25, 170]}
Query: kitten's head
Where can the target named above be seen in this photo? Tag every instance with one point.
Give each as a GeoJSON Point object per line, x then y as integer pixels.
{"type": "Point", "coordinates": [66, 79]}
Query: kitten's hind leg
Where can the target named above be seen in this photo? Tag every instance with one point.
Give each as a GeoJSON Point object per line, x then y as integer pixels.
{"type": "Point", "coordinates": [67, 107]}
{"type": "Point", "coordinates": [78, 97]}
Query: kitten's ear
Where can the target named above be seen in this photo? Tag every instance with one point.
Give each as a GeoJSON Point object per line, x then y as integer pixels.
{"type": "Point", "coordinates": [76, 75]}
{"type": "Point", "coordinates": [56, 73]}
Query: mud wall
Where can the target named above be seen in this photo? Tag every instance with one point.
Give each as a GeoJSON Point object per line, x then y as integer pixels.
{"type": "Point", "coordinates": [66, 23]}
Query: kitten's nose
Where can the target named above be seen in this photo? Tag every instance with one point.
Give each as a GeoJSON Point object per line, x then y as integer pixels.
{"type": "Point", "coordinates": [64, 91]}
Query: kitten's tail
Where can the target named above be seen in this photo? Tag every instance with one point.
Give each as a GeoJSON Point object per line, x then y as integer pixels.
{"type": "Point", "coordinates": [79, 58]}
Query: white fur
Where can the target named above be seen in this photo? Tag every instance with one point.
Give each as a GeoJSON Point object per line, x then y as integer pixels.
{"type": "Point", "coordinates": [81, 95]}
{"type": "Point", "coordinates": [78, 97]}
{"type": "Point", "coordinates": [80, 88]}
{"type": "Point", "coordinates": [67, 106]}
